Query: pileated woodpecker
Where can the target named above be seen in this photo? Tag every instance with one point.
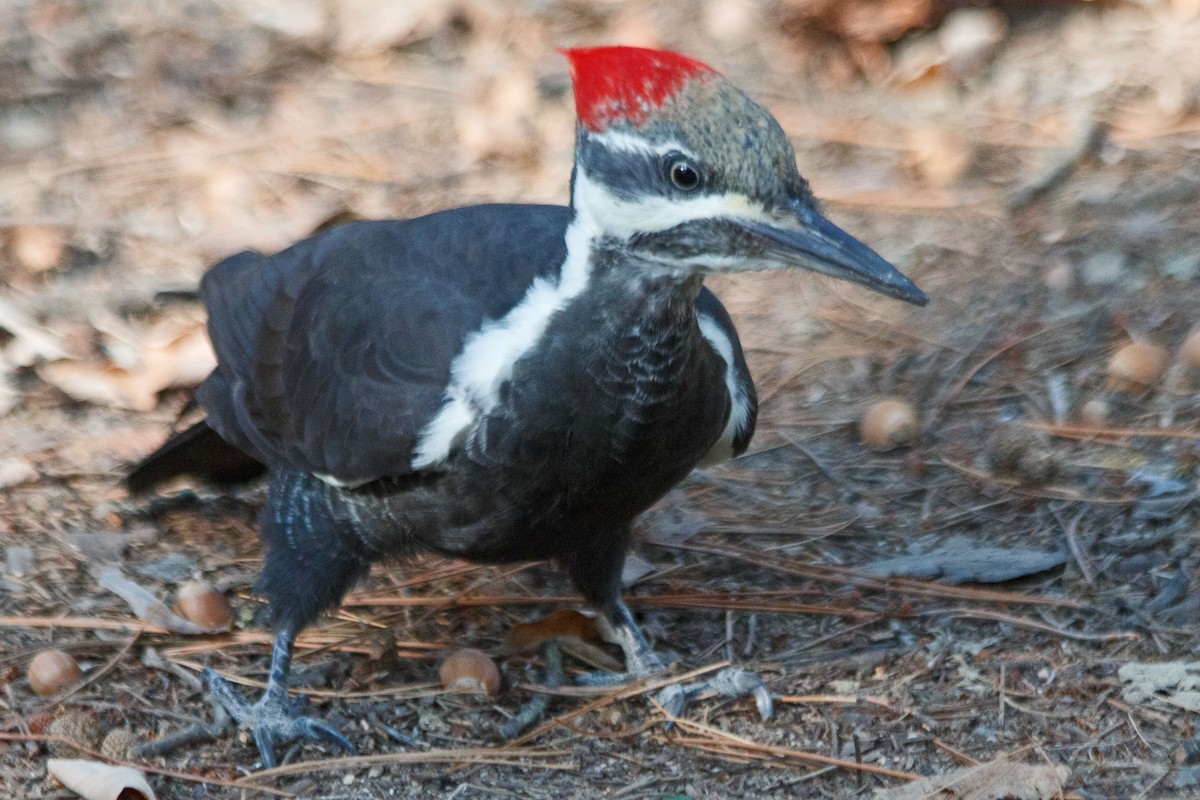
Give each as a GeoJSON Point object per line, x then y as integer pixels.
{"type": "Point", "coordinates": [507, 382]}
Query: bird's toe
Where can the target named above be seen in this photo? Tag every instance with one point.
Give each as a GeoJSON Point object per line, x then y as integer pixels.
{"type": "Point", "coordinates": [322, 731]}
{"type": "Point", "coordinates": [734, 682]}
{"type": "Point", "coordinates": [673, 699]}
{"type": "Point", "coordinates": [223, 696]}
{"type": "Point", "coordinates": [274, 728]}
{"type": "Point", "coordinates": [267, 740]}
{"type": "Point", "coordinates": [274, 720]}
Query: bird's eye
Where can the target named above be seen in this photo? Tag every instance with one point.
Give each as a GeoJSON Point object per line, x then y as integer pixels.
{"type": "Point", "coordinates": [683, 175]}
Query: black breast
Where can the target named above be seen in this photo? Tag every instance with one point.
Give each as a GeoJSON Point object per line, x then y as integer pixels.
{"type": "Point", "coordinates": [619, 400]}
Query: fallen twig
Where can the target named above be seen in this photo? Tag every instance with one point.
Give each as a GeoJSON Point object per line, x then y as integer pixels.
{"type": "Point", "coordinates": [828, 573]}
{"type": "Point", "coordinates": [1033, 625]}
{"type": "Point", "coordinates": [717, 738]}
{"type": "Point", "coordinates": [509, 756]}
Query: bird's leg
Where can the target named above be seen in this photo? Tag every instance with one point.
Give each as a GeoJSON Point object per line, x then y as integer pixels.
{"type": "Point", "coordinates": [597, 574]}
{"type": "Point", "coordinates": [535, 709]}
{"type": "Point", "coordinates": [641, 660]}
{"type": "Point", "coordinates": [273, 719]}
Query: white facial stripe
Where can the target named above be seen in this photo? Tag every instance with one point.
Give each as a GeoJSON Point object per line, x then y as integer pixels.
{"type": "Point", "coordinates": [739, 402]}
{"type": "Point", "coordinates": [488, 355]}
{"type": "Point", "coordinates": [620, 140]}
{"type": "Point", "coordinates": [624, 218]}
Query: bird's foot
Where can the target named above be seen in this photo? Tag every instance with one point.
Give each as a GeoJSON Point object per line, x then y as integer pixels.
{"type": "Point", "coordinates": [730, 682]}
{"type": "Point", "coordinates": [274, 719]}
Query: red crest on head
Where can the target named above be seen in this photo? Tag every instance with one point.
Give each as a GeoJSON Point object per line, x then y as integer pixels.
{"type": "Point", "coordinates": [626, 83]}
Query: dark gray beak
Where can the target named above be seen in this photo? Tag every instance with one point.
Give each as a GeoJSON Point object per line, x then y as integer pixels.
{"type": "Point", "coordinates": [819, 245]}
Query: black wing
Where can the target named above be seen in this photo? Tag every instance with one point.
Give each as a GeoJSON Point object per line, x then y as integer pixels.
{"type": "Point", "coordinates": [334, 354]}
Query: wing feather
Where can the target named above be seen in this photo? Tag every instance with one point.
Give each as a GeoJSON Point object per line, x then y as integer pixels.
{"type": "Point", "coordinates": [333, 355]}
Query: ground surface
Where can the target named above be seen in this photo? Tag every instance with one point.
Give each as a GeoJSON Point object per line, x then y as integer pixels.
{"type": "Point", "coordinates": [1043, 192]}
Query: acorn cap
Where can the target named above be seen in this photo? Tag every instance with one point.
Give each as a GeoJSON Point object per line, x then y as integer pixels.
{"type": "Point", "coordinates": [81, 728]}
{"type": "Point", "coordinates": [119, 744]}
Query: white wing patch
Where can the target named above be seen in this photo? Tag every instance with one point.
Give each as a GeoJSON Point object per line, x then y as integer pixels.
{"type": "Point", "coordinates": [739, 402]}
{"type": "Point", "coordinates": [488, 355]}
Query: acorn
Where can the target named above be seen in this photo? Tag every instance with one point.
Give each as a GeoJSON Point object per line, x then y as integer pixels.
{"type": "Point", "coordinates": [469, 671]}
{"type": "Point", "coordinates": [37, 248]}
{"type": "Point", "coordinates": [1189, 353]}
{"type": "Point", "coordinates": [1094, 412]}
{"type": "Point", "coordinates": [201, 603]}
{"type": "Point", "coordinates": [119, 744]}
{"type": "Point", "coordinates": [1136, 366]}
{"type": "Point", "coordinates": [51, 671]}
{"type": "Point", "coordinates": [80, 728]}
{"type": "Point", "coordinates": [888, 423]}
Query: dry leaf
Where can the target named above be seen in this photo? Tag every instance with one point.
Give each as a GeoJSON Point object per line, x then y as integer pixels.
{"type": "Point", "coordinates": [1175, 683]}
{"type": "Point", "coordinates": [963, 560]}
{"type": "Point", "coordinates": [30, 343]}
{"type": "Point", "coordinates": [969, 37]}
{"type": "Point", "coordinates": [576, 633]}
{"type": "Point", "coordinates": [919, 63]}
{"type": "Point", "coordinates": [16, 471]}
{"type": "Point", "coordinates": [8, 395]}
{"type": "Point", "coordinates": [95, 780]}
{"type": "Point", "coordinates": [296, 19]}
{"type": "Point", "coordinates": [634, 569]}
{"type": "Point", "coordinates": [146, 606]}
{"type": "Point", "coordinates": [161, 363]}
{"type": "Point", "coordinates": [369, 26]}
{"type": "Point", "coordinates": [37, 248]}
{"type": "Point", "coordinates": [939, 154]}
{"type": "Point", "coordinates": [501, 119]}
{"type": "Point", "coordinates": [995, 780]}
{"type": "Point", "coordinates": [528, 636]}
{"type": "Point", "coordinates": [731, 20]}
{"type": "Point", "coordinates": [103, 384]}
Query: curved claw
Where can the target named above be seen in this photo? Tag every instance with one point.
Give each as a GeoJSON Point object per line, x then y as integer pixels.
{"type": "Point", "coordinates": [316, 729]}
{"type": "Point", "coordinates": [734, 682]}
{"type": "Point", "coordinates": [272, 732]}
{"type": "Point", "coordinates": [673, 698]}
{"type": "Point", "coordinates": [267, 741]}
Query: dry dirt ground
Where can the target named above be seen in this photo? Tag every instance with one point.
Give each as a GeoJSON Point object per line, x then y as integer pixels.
{"type": "Point", "coordinates": [1036, 170]}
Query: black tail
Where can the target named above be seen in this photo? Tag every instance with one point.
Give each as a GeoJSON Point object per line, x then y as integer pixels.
{"type": "Point", "coordinates": [199, 452]}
